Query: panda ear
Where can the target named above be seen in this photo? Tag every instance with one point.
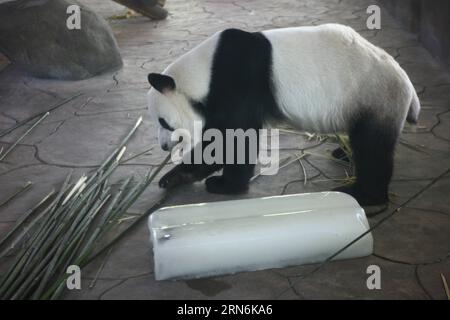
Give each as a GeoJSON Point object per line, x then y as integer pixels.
{"type": "Point", "coordinates": [161, 82]}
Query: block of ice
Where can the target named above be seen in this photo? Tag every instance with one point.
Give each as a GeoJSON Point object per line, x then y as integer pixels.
{"type": "Point", "coordinates": [205, 239]}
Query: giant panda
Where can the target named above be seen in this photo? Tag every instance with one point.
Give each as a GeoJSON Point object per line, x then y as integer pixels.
{"type": "Point", "coordinates": [325, 79]}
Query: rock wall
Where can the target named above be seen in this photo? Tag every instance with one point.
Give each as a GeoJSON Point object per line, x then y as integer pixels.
{"type": "Point", "coordinates": [430, 19]}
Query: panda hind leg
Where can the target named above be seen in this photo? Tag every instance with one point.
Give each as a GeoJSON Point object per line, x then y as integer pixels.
{"type": "Point", "coordinates": [373, 145]}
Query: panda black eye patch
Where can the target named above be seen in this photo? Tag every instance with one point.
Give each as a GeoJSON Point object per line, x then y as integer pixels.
{"type": "Point", "coordinates": [164, 124]}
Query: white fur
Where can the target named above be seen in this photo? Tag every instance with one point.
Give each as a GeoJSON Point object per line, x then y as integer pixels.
{"type": "Point", "coordinates": [322, 76]}
{"type": "Point", "coordinates": [191, 73]}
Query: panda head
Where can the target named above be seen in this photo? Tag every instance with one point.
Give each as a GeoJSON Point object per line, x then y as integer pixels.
{"type": "Point", "coordinates": [172, 108]}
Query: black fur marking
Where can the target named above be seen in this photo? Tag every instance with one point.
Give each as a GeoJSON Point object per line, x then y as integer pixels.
{"type": "Point", "coordinates": [240, 96]}
{"type": "Point", "coordinates": [373, 143]}
{"type": "Point", "coordinates": [165, 125]}
{"type": "Point", "coordinates": [188, 173]}
{"type": "Point", "coordinates": [161, 82]}
{"type": "Point", "coordinates": [198, 106]}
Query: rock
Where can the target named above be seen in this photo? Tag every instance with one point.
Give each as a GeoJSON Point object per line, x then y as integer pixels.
{"type": "Point", "coordinates": [34, 35]}
{"type": "Point", "coordinates": [4, 62]}
{"type": "Point", "coordinates": [149, 8]}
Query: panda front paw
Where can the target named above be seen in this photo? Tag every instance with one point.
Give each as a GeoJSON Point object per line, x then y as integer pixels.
{"type": "Point", "coordinates": [217, 184]}
{"type": "Point", "coordinates": [175, 177]}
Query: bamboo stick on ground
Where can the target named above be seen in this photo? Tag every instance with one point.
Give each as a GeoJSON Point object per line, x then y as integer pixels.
{"type": "Point", "coordinates": [86, 257]}
{"type": "Point", "coordinates": [49, 239]}
{"type": "Point", "coordinates": [22, 220]}
{"type": "Point", "coordinates": [11, 148]}
{"type": "Point", "coordinates": [120, 146]}
{"type": "Point", "coordinates": [283, 163]}
{"type": "Point", "coordinates": [105, 221]}
{"type": "Point", "coordinates": [149, 211]}
{"type": "Point", "coordinates": [24, 188]}
{"type": "Point", "coordinates": [25, 260]}
{"type": "Point", "coordinates": [16, 267]}
{"type": "Point", "coordinates": [100, 269]}
{"type": "Point", "coordinates": [67, 242]}
{"type": "Point", "coordinates": [70, 228]}
{"type": "Point", "coordinates": [65, 225]}
{"type": "Point", "coordinates": [444, 282]}
{"type": "Point", "coordinates": [25, 121]}
{"type": "Point", "coordinates": [305, 176]}
{"type": "Point", "coordinates": [137, 155]}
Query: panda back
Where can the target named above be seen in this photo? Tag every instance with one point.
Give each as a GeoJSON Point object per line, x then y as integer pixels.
{"type": "Point", "coordinates": [323, 74]}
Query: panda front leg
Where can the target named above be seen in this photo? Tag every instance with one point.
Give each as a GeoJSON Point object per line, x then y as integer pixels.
{"type": "Point", "coordinates": [373, 145]}
{"type": "Point", "coordinates": [236, 174]}
{"type": "Point", "coordinates": [234, 179]}
{"type": "Point", "coordinates": [187, 173]}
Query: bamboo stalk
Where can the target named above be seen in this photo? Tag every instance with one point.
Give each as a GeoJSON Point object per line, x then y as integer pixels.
{"type": "Point", "coordinates": [137, 155]}
{"type": "Point", "coordinates": [22, 220]}
{"type": "Point", "coordinates": [412, 146]}
{"type": "Point", "coordinates": [76, 187]}
{"type": "Point", "coordinates": [52, 231]}
{"type": "Point", "coordinates": [285, 163]}
{"type": "Point", "coordinates": [305, 176]}
{"type": "Point", "coordinates": [11, 148]}
{"type": "Point", "coordinates": [21, 123]}
{"type": "Point", "coordinates": [35, 259]}
{"type": "Point", "coordinates": [151, 177]}
{"type": "Point", "coordinates": [59, 286]}
{"type": "Point", "coordinates": [105, 219]}
{"type": "Point", "coordinates": [47, 236]}
{"type": "Point", "coordinates": [35, 252]}
{"type": "Point", "coordinates": [100, 269]}
{"type": "Point", "coordinates": [23, 285]}
{"type": "Point", "coordinates": [17, 266]}
{"type": "Point", "coordinates": [71, 227]}
{"type": "Point", "coordinates": [341, 162]}
{"type": "Point", "coordinates": [85, 257]}
{"type": "Point", "coordinates": [122, 143]}
{"type": "Point", "coordinates": [447, 291]}
{"type": "Point", "coordinates": [139, 219]}
{"type": "Point", "coordinates": [24, 188]}
{"type": "Point", "coordinates": [56, 261]}
{"type": "Point", "coordinates": [281, 162]}
{"type": "Point", "coordinates": [44, 251]}
{"type": "Point", "coordinates": [16, 271]}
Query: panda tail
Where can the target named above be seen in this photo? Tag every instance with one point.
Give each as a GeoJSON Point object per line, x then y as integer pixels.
{"type": "Point", "coordinates": [414, 109]}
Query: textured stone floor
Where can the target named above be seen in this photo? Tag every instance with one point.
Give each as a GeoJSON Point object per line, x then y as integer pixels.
{"type": "Point", "coordinates": [411, 248]}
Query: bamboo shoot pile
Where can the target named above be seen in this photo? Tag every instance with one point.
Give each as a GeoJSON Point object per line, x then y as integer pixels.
{"type": "Point", "coordinates": [68, 229]}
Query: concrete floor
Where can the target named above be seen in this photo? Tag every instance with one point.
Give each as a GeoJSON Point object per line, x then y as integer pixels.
{"type": "Point", "coordinates": [411, 248]}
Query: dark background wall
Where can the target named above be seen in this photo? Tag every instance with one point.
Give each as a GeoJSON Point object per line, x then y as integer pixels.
{"type": "Point", "coordinates": [430, 19]}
